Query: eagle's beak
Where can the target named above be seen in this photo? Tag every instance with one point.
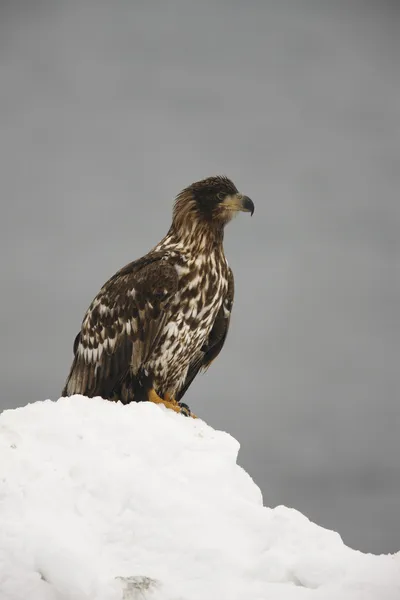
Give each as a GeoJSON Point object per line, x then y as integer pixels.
{"type": "Point", "coordinates": [238, 202]}
{"type": "Point", "coordinates": [247, 205]}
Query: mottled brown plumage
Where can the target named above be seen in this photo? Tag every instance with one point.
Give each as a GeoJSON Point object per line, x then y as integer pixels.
{"type": "Point", "coordinates": [161, 319]}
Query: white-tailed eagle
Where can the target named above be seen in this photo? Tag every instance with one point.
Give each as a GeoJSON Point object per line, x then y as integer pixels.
{"type": "Point", "coordinates": [164, 317]}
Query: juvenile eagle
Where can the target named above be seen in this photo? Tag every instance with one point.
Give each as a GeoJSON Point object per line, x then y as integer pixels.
{"type": "Point", "coordinates": [164, 317]}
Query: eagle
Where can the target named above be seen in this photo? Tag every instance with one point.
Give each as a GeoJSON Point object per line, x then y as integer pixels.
{"type": "Point", "coordinates": [163, 318]}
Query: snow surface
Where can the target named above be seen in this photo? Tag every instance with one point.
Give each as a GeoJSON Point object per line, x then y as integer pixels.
{"type": "Point", "coordinates": [102, 501]}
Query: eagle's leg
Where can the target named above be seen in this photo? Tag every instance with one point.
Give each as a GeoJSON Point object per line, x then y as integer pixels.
{"type": "Point", "coordinates": [152, 396]}
{"type": "Point", "coordinates": [169, 402]}
{"type": "Point", "coordinates": [169, 398]}
{"type": "Point", "coordinates": [183, 408]}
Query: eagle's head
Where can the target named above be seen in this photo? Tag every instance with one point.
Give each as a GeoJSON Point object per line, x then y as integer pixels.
{"type": "Point", "coordinates": [212, 201]}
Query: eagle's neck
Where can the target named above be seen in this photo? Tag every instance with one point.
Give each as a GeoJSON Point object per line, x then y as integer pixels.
{"type": "Point", "coordinates": [196, 238]}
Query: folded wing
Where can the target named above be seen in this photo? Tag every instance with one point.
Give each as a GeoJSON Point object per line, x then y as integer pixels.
{"type": "Point", "coordinates": [121, 328]}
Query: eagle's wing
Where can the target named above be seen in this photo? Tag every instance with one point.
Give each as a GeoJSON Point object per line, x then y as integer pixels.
{"type": "Point", "coordinates": [121, 327]}
{"type": "Point", "coordinates": [216, 339]}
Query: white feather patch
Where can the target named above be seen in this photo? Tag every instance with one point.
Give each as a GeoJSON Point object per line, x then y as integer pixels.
{"type": "Point", "coordinates": [182, 270]}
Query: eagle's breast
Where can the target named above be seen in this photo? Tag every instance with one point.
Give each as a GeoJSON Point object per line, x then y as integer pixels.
{"type": "Point", "coordinates": [203, 283]}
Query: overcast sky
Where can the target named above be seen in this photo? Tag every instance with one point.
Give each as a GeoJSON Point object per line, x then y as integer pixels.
{"type": "Point", "coordinates": [108, 109]}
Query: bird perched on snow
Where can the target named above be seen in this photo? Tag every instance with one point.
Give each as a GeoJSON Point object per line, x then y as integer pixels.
{"type": "Point", "coordinates": [164, 317]}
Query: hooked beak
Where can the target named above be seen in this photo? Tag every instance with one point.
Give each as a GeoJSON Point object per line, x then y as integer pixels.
{"type": "Point", "coordinates": [238, 202]}
{"type": "Point", "coordinates": [247, 205]}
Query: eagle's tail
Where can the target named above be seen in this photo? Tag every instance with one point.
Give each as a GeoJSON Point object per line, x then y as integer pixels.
{"type": "Point", "coordinates": [77, 380]}
{"type": "Point", "coordinates": [106, 380]}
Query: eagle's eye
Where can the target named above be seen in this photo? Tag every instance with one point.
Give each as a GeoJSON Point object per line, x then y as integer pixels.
{"type": "Point", "coordinates": [221, 195]}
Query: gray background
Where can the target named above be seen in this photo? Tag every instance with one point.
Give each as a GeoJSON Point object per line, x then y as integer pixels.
{"type": "Point", "coordinates": [108, 109]}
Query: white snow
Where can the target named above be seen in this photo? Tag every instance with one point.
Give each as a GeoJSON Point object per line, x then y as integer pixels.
{"type": "Point", "coordinates": [100, 501]}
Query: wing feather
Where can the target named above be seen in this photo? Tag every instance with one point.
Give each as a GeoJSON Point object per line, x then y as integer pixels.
{"type": "Point", "coordinates": [121, 327]}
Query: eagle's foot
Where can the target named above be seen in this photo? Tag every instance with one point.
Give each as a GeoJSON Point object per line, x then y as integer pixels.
{"type": "Point", "coordinates": [171, 403]}
{"type": "Point", "coordinates": [171, 399]}
{"type": "Point", "coordinates": [154, 397]}
{"type": "Point", "coordinates": [185, 410]}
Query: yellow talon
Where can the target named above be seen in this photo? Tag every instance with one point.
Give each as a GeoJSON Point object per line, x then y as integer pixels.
{"type": "Point", "coordinates": [169, 398]}
{"type": "Point", "coordinates": [154, 397]}
{"type": "Point", "coordinates": [168, 401]}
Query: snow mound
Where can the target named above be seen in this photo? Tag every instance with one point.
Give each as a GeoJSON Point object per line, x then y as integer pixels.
{"type": "Point", "coordinates": [100, 501]}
